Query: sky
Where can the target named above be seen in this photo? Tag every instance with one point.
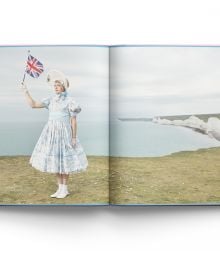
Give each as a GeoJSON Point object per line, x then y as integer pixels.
{"type": "Point", "coordinates": [145, 81]}
{"type": "Point", "coordinates": [152, 81]}
{"type": "Point", "coordinates": [86, 67]}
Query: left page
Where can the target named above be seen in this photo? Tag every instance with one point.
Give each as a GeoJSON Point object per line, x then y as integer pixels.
{"type": "Point", "coordinates": [54, 121]}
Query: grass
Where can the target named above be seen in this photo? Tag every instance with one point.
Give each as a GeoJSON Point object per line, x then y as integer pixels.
{"type": "Point", "coordinates": [20, 183]}
{"type": "Point", "coordinates": [181, 178]}
{"type": "Point", "coordinates": [203, 117]}
{"type": "Point", "coordinates": [188, 177]}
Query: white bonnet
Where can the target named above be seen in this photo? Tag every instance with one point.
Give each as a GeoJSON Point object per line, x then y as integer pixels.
{"type": "Point", "coordinates": [54, 75]}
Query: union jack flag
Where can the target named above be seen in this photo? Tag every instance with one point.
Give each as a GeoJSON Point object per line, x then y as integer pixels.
{"type": "Point", "coordinates": [34, 67]}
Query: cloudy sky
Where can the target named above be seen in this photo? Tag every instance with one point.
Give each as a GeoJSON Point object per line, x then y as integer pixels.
{"type": "Point", "coordinates": [85, 66]}
{"type": "Point", "coordinates": [155, 80]}
{"type": "Point", "coordinates": [145, 81]}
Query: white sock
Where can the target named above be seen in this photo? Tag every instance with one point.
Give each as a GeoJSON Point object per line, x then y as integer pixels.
{"type": "Point", "coordinates": [65, 188]}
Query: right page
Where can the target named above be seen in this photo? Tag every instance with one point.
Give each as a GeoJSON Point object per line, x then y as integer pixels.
{"type": "Point", "coordinates": [164, 125]}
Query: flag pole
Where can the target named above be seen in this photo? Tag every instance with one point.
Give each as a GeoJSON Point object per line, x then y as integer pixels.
{"type": "Point", "coordinates": [25, 69]}
{"type": "Point", "coordinates": [24, 77]}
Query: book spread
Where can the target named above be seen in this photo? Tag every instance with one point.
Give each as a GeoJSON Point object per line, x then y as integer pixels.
{"type": "Point", "coordinates": [110, 125]}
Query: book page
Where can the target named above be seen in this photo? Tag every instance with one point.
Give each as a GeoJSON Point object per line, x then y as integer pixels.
{"type": "Point", "coordinates": [54, 123]}
{"type": "Point", "coordinates": [164, 125]}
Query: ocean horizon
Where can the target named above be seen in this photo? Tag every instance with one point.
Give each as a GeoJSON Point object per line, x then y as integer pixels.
{"type": "Point", "coordinates": [126, 138]}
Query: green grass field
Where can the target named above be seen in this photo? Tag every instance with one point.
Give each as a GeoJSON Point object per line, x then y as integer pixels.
{"type": "Point", "coordinates": [191, 177]}
{"type": "Point", "coordinates": [183, 177]}
{"type": "Point", "coordinates": [20, 183]}
{"type": "Point", "coordinates": [203, 117]}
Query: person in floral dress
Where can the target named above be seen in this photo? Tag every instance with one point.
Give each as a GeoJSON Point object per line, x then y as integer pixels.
{"type": "Point", "coordinates": [58, 149]}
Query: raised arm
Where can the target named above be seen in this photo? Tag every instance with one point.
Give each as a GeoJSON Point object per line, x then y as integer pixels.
{"type": "Point", "coordinates": [30, 100]}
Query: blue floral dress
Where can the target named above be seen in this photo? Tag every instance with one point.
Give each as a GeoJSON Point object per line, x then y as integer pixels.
{"type": "Point", "coordinates": [54, 151]}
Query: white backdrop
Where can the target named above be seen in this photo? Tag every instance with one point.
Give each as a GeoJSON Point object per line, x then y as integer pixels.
{"type": "Point", "coordinates": [121, 242]}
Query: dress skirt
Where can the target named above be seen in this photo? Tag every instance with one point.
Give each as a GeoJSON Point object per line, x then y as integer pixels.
{"type": "Point", "coordinates": [54, 151]}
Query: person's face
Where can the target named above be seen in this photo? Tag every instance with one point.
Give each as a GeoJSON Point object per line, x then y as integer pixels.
{"type": "Point", "coordinates": [58, 87]}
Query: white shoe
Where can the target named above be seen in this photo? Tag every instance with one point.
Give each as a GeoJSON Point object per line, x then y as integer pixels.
{"type": "Point", "coordinates": [57, 192]}
{"type": "Point", "coordinates": [63, 192]}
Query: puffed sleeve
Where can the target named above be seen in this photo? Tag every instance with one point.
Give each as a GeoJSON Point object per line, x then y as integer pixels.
{"type": "Point", "coordinates": [45, 102]}
{"type": "Point", "coordinates": [74, 108]}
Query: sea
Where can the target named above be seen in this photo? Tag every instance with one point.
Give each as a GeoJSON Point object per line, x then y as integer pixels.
{"type": "Point", "coordinates": [117, 138]}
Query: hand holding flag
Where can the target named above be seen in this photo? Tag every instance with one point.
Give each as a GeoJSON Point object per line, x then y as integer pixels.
{"type": "Point", "coordinates": [24, 87]}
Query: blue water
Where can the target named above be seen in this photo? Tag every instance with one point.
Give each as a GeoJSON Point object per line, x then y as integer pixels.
{"type": "Point", "coordinates": [142, 138]}
{"type": "Point", "coordinates": [20, 138]}
{"type": "Point", "coordinates": [133, 139]}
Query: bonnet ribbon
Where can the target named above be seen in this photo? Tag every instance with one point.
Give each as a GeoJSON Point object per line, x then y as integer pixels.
{"type": "Point", "coordinates": [61, 96]}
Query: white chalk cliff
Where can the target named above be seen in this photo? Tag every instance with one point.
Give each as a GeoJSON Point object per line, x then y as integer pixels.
{"type": "Point", "coordinates": [211, 127]}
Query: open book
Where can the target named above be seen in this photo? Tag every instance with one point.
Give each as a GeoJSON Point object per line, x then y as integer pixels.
{"type": "Point", "coordinates": [110, 125]}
